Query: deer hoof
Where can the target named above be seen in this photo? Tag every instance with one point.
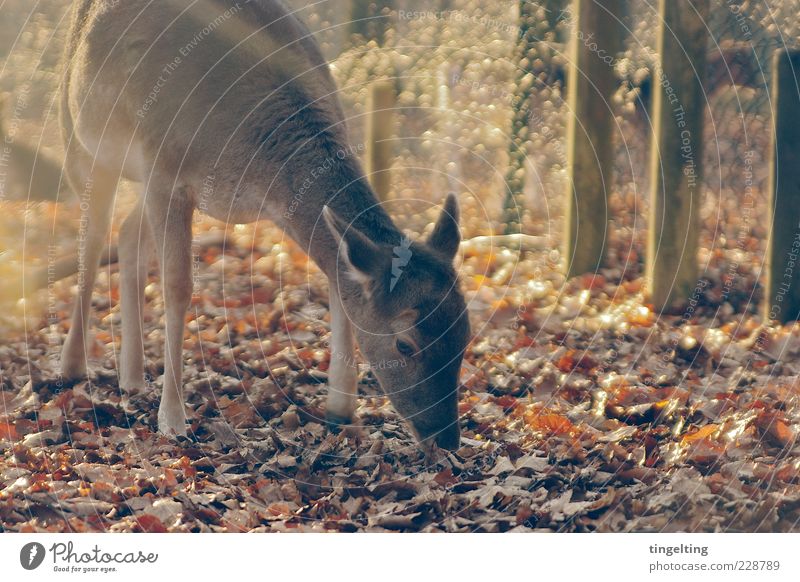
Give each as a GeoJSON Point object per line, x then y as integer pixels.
{"type": "Point", "coordinates": [172, 423]}
{"type": "Point", "coordinates": [347, 426]}
{"type": "Point", "coordinates": [132, 388]}
{"type": "Point", "coordinates": [73, 359]}
{"type": "Point", "coordinates": [337, 422]}
{"type": "Point", "coordinates": [73, 368]}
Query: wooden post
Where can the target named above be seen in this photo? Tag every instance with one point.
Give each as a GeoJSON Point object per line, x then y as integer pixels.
{"type": "Point", "coordinates": [677, 152]}
{"type": "Point", "coordinates": [783, 254]}
{"type": "Point", "coordinates": [590, 154]}
{"type": "Point", "coordinates": [379, 135]}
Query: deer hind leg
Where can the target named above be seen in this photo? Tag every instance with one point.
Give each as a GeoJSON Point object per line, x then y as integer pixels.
{"type": "Point", "coordinates": [343, 370]}
{"type": "Point", "coordinates": [135, 251]}
{"type": "Point", "coordinates": [96, 187]}
{"type": "Point", "coordinates": [170, 219]}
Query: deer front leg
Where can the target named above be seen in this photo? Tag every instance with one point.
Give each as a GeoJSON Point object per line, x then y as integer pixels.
{"type": "Point", "coordinates": [170, 220]}
{"type": "Point", "coordinates": [135, 249]}
{"type": "Point", "coordinates": [343, 371]}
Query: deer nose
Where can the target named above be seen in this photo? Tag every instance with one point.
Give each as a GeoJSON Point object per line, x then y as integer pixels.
{"type": "Point", "coordinates": [449, 438]}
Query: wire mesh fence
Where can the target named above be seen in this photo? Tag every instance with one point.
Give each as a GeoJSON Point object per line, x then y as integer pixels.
{"type": "Point", "coordinates": [457, 71]}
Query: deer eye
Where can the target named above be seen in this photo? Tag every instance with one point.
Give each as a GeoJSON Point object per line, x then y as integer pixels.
{"type": "Point", "coordinates": [405, 348]}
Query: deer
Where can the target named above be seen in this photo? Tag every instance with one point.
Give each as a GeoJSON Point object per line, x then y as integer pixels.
{"type": "Point", "coordinates": [177, 95]}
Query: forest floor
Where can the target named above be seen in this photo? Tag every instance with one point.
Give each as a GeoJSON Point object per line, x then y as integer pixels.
{"type": "Point", "coordinates": [581, 410]}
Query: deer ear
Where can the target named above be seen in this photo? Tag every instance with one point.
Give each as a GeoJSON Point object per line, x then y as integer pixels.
{"type": "Point", "coordinates": [360, 255]}
{"type": "Point", "coordinates": [446, 236]}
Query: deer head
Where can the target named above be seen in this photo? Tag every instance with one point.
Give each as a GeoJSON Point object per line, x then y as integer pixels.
{"type": "Point", "coordinates": [409, 318]}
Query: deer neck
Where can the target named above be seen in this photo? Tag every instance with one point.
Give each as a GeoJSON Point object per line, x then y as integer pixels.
{"type": "Point", "coordinates": [338, 182]}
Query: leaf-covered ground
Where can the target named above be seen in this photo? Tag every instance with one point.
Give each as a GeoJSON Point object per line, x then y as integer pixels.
{"type": "Point", "coordinates": [581, 410]}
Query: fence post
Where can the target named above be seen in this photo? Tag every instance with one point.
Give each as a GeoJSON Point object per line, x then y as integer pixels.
{"type": "Point", "coordinates": [676, 152]}
{"type": "Point", "coordinates": [591, 82]}
{"type": "Point", "coordinates": [379, 135]}
{"type": "Point", "coordinates": [783, 254]}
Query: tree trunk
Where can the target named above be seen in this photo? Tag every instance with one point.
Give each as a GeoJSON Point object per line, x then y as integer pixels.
{"type": "Point", "coordinates": [783, 256]}
{"type": "Point", "coordinates": [677, 153]}
{"type": "Point", "coordinates": [590, 132]}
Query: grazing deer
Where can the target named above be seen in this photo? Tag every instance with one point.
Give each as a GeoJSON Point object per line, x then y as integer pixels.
{"type": "Point", "coordinates": [180, 94]}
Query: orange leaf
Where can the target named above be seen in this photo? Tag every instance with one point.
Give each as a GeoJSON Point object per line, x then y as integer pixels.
{"type": "Point", "coordinates": [102, 336]}
{"type": "Point", "coordinates": [781, 433]}
{"type": "Point", "coordinates": [705, 452]}
{"type": "Point", "coordinates": [505, 401]}
{"type": "Point", "coordinates": [257, 296]}
{"type": "Point", "coordinates": [570, 361]}
{"type": "Point", "coordinates": [170, 480]}
{"type": "Point", "coordinates": [553, 424]}
{"type": "Point", "coordinates": [788, 474]}
{"type": "Point", "coordinates": [185, 464]}
{"type": "Point", "coordinates": [701, 433]}
{"type": "Point", "coordinates": [279, 509]}
{"type": "Point", "coordinates": [151, 524]}
{"type": "Point", "coordinates": [775, 428]}
{"type": "Point", "coordinates": [7, 431]}
{"type": "Point", "coordinates": [445, 478]}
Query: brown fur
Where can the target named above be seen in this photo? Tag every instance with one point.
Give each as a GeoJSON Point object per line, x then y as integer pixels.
{"type": "Point", "coordinates": [252, 110]}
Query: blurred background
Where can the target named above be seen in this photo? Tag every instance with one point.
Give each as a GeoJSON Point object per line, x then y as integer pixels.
{"type": "Point", "coordinates": [460, 75]}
